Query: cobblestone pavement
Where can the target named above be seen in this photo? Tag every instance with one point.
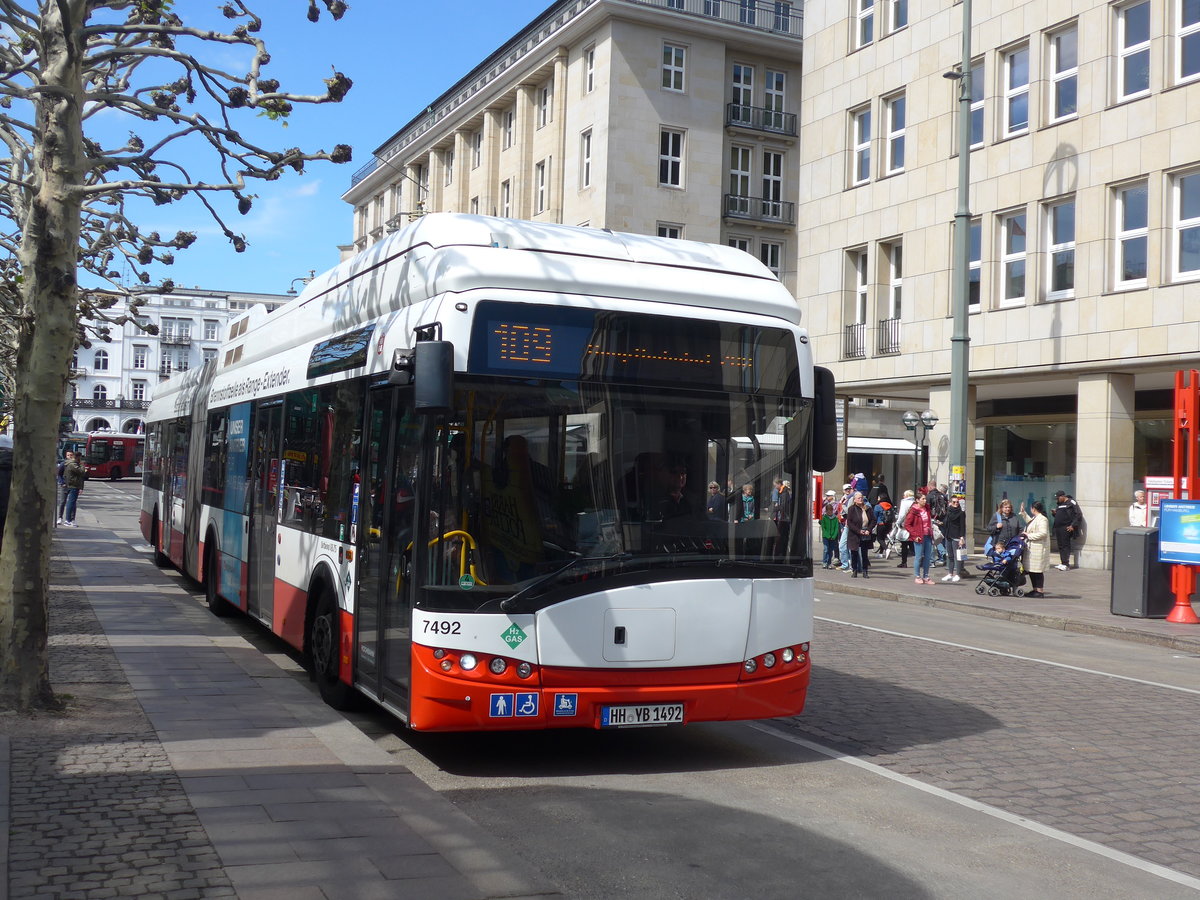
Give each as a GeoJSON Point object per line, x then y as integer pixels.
{"type": "Point", "coordinates": [96, 810]}
{"type": "Point", "coordinates": [1107, 760]}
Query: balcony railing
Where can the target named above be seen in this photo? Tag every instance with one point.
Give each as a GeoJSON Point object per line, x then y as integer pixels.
{"type": "Point", "coordinates": [760, 209]}
{"type": "Point", "coordinates": [887, 338]}
{"type": "Point", "coordinates": [856, 341]}
{"type": "Point", "coordinates": [177, 338]}
{"type": "Point", "coordinates": [92, 403]}
{"type": "Point", "coordinates": [759, 118]}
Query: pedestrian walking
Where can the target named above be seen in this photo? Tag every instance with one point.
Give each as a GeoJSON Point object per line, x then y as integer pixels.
{"type": "Point", "coordinates": [830, 529]}
{"type": "Point", "coordinates": [844, 503]}
{"type": "Point", "coordinates": [954, 532]}
{"type": "Point", "coordinates": [1037, 548]}
{"type": "Point", "coordinates": [1139, 512]}
{"type": "Point", "coordinates": [860, 525]}
{"type": "Point", "coordinates": [936, 500]}
{"type": "Point", "coordinates": [6, 458]}
{"type": "Point", "coordinates": [74, 475]}
{"type": "Point", "coordinates": [884, 514]}
{"type": "Point", "coordinates": [1066, 520]}
{"type": "Point", "coordinates": [919, 525]}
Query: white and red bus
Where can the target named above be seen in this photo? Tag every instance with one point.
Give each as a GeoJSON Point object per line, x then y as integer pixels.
{"type": "Point", "coordinates": [467, 473]}
{"type": "Point", "coordinates": [112, 455]}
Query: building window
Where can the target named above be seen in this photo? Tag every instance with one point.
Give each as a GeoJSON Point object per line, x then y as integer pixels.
{"type": "Point", "coordinates": [739, 180]}
{"type": "Point", "coordinates": [506, 199]}
{"type": "Point", "coordinates": [674, 4]}
{"type": "Point", "coordinates": [894, 110]}
{"type": "Point", "coordinates": [742, 95]}
{"type": "Point", "coordinates": [1012, 257]}
{"type": "Point", "coordinates": [100, 361]}
{"type": "Point", "coordinates": [1187, 47]}
{"type": "Point", "coordinates": [747, 12]}
{"type": "Point", "coordinates": [673, 59]}
{"type": "Point", "coordinates": [139, 389]}
{"type": "Point", "coordinates": [448, 166]}
{"type": "Point", "coordinates": [895, 263]}
{"type": "Point", "coordinates": [770, 254]}
{"type": "Point", "coordinates": [585, 159]}
{"type": "Point", "coordinates": [670, 158]}
{"type": "Point", "coordinates": [712, 8]}
{"type": "Point", "coordinates": [1060, 249]}
{"type": "Point", "coordinates": [545, 104]}
{"type": "Point", "coordinates": [670, 230]}
{"type": "Point", "coordinates": [774, 97]}
{"type": "Point", "coordinates": [974, 263]}
{"type": "Point", "coordinates": [864, 31]}
{"type": "Point", "coordinates": [897, 15]}
{"type": "Point", "coordinates": [860, 130]}
{"type": "Point", "coordinates": [210, 330]}
{"type": "Point", "coordinates": [540, 174]}
{"type": "Point", "coordinates": [1132, 220]}
{"type": "Point", "coordinates": [1064, 74]}
{"type": "Point", "coordinates": [589, 70]}
{"type": "Point", "coordinates": [772, 184]}
{"type": "Point", "coordinates": [977, 93]}
{"type": "Point", "coordinates": [861, 284]}
{"type": "Point", "coordinates": [1016, 91]}
{"type": "Point", "coordinates": [209, 353]}
{"type": "Point", "coordinates": [1186, 227]}
{"type": "Point", "coordinates": [99, 393]}
{"type": "Point", "coordinates": [140, 355]}
{"type": "Point", "coordinates": [476, 149]}
{"type": "Point", "coordinates": [474, 206]}
{"type": "Point", "coordinates": [740, 243]}
{"type": "Point", "coordinates": [506, 128]}
{"type": "Point", "coordinates": [1133, 50]}
{"type": "Point", "coordinates": [783, 16]}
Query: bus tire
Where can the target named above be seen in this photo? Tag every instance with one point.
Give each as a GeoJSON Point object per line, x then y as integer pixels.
{"type": "Point", "coordinates": [324, 647]}
{"type": "Point", "coordinates": [160, 559]}
{"type": "Point", "coordinates": [217, 604]}
{"type": "Point", "coordinates": [114, 474]}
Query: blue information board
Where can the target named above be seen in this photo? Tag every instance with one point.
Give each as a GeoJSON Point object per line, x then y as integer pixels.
{"type": "Point", "coordinates": [1179, 532]}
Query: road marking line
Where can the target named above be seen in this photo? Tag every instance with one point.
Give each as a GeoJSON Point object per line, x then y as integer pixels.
{"type": "Point", "coordinates": [1118, 856]}
{"type": "Point", "coordinates": [1046, 662]}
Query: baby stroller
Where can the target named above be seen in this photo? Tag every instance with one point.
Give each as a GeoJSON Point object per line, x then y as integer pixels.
{"type": "Point", "coordinates": [1003, 573]}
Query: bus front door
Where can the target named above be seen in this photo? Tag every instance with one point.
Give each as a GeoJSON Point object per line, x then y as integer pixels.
{"type": "Point", "coordinates": [384, 618]}
{"type": "Point", "coordinates": [264, 512]}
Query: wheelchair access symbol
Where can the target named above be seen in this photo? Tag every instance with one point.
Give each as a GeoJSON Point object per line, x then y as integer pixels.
{"type": "Point", "coordinates": [527, 705]}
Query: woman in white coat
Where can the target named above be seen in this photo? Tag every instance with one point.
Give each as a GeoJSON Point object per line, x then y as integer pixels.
{"type": "Point", "coordinates": [1037, 548]}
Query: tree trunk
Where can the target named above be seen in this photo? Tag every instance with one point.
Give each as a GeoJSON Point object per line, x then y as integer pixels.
{"type": "Point", "coordinates": [45, 340]}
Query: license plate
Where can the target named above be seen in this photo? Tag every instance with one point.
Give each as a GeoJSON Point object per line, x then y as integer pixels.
{"type": "Point", "coordinates": [636, 715]}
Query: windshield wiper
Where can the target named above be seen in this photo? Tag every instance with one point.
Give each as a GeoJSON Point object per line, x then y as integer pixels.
{"type": "Point", "coordinates": [789, 569]}
{"type": "Point", "coordinates": [509, 604]}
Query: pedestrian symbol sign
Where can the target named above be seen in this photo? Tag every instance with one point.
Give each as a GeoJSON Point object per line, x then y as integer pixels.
{"type": "Point", "coordinates": [566, 704]}
{"type": "Point", "coordinates": [501, 706]}
{"type": "Point", "coordinates": [513, 635]}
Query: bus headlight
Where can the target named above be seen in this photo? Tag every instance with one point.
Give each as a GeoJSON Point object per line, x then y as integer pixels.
{"type": "Point", "coordinates": [788, 654]}
{"type": "Point", "coordinates": [750, 666]}
{"type": "Point", "coordinates": [769, 660]}
{"type": "Point", "coordinates": [468, 661]}
{"type": "Point", "coordinates": [498, 665]}
{"type": "Point", "coordinates": [524, 670]}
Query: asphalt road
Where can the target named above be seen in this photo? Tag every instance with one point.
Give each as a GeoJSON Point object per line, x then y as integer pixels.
{"type": "Point", "coordinates": [941, 755]}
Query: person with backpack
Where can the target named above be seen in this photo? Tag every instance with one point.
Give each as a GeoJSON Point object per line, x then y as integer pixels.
{"type": "Point", "coordinates": [830, 529]}
{"type": "Point", "coordinates": [936, 499]}
{"type": "Point", "coordinates": [72, 475]}
{"type": "Point", "coordinates": [885, 516]}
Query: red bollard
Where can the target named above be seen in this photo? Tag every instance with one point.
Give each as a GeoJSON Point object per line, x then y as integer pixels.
{"type": "Point", "coordinates": [1183, 583]}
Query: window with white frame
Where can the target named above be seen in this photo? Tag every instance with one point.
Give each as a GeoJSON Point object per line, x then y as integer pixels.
{"type": "Point", "coordinates": [545, 104]}
{"type": "Point", "coordinates": [860, 139]}
{"type": "Point", "coordinates": [397, 198]}
{"type": "Point", "coordinates": [100, 361]}
{"type": "Point", "coordinates": [1013, 233]}
{"type": "Point", "coordinates": [864, 24]}
{"type": "Point", "coordinates": [674, 4]}
{"type": "Point", "coordinates": [448, 166]}
{"type": "Point", "coordinates": [978, 90]}
{"type": "Point", "coordinates": [1132, 218]}
{"type": "Point", "coordinates": [585, 159]}
{"type": "Point", "coordinates": [99, 393]}
{"type": "Point", "coordinates": [141, 355]}
{"type": "Point", "coordinates": [476, 149]}
{"type": "Point", "coordinates": [739, 179]}
{"type": "Point", "coordinates": [742, 94]}
{"type": "Point", "coordinates": [770, 254]}
{"type": "Point", "coordinates": [712, 8]}
{"type": "Point", "coordinates": [747, 11]}
{"type": "Point", "coordinates": [670, 230]}
{"type": "Point", "coordinates": [674, 60]}
{"type": "Point", "coordinates": [211, 329]}
{"type": "Point", "coordinates": [209, 353]}
{"type": "Point", "coordinates": [894, 112]}
{"type": "Point", "coordinates": [670, 157]}
{"type": "Point", "coordinates": [772, 184]}
{"type": "Point", "coordinates": [858, 259]}
{"type": "Point", "coordinates": [897, 15]}
{"type": "Point", "coordinates": [773, 99]}
{"type": "Point", "coordinates": [1187, 40]}
{"type": "Point", "coordinates": [740, 243]}
{"type": "Point", "coordinates": [507, 125]}
{"type": "Point", "coordinates": [1016, 91]}
{"type": "Point", "coordinates": [1186, 225]}
{"type": "Point", "coordinates": [1133, 50]}
{"type": "Point", "coordinates": [974, 264]}
{"type": "Point", "coordinates": [1060, 249]}
{"type": "Point", "coordinates": [506, 199]}
{"type": "Point", "coordinates": [783, 15]}
{"type": "Point", "coordinates": [895, 264]}
{"type": "Point", "coordinates": [1064, 74]}
{"type": "Point", "coordinates": [138, 389]}
{"type": "Point", "coordinates": [540, 185]}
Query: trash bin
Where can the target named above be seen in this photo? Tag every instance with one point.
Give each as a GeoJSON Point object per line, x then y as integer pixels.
{"type": "Point", "coordinates": [1141, 585]}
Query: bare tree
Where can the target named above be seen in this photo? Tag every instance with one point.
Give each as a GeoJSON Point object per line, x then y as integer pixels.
{"type": "Point", "coordinates": [68, 200]}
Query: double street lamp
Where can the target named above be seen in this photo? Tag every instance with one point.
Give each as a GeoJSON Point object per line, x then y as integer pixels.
{"type": "Point", "coordinates": [918, 424]}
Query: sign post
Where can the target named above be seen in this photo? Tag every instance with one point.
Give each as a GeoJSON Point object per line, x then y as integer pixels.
{"type": "Point", "coordinates": [1181, 536]}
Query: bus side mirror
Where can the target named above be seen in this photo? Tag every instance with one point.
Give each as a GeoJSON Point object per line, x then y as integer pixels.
{"type": "Point", "coordinates": [429, 368]}
{"type": "Point", "coordinates": [825, 440]}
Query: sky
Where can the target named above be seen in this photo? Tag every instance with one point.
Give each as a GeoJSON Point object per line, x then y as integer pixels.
{"type": "Point", "coordinates": [401, 55]}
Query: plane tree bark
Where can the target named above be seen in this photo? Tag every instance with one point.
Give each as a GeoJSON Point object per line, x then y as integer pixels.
{"type": "Point", "coordinates": [69, 199]}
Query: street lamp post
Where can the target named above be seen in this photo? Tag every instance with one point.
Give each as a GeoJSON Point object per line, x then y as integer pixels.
{"type": "Point", "coordinates": [918, 424]}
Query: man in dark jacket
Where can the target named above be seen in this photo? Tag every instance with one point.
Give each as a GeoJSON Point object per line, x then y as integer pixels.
{"type": "Point", "coordinates": [74, 475]}
{"type": "Point", "coordinates": [1066, 520]}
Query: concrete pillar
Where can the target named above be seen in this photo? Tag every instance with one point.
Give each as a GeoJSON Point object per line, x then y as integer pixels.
{"type": "Point", "coordinates": [1103, 461]}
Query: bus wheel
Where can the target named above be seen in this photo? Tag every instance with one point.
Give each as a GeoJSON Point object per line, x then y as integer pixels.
{"type": "Point", "coordinates": [114, 473]}
{"type": "Point", "coordinates": [217, 604]}
{"type": "Point", "coordinates": [160, 559]}
{"type": "Point", "coordinates": [324, 644]}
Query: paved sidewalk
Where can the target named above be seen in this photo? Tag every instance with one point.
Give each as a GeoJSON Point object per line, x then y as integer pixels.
{"type": "Point", "coordinates": [1078, 600]}
{"type": "Point", "coordinates": [190, 765]}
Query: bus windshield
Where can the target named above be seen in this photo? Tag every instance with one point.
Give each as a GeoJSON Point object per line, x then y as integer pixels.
{"type": "Point", "coordinates": [554, 488]}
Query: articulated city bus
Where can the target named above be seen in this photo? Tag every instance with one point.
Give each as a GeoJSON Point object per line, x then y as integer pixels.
{"type": "Point", "coordinates": [467, 473]}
